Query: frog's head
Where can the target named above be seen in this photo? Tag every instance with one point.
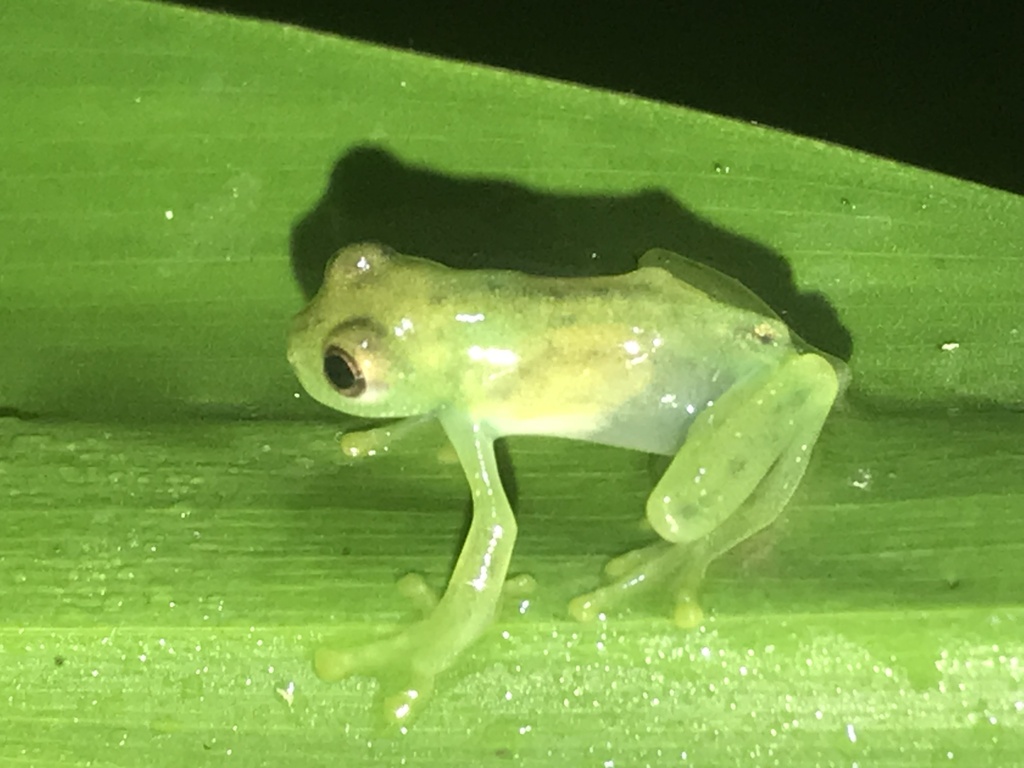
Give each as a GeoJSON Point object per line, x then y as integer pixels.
{"type": "Point", "coordinates": [354, 348]}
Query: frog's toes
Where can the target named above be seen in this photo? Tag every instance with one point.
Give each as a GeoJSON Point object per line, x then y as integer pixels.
{"type": "Point", "coordinates": [414, 588]}
{"type": "Point", "coordinates": [361, 445]}
{"type": "Point", "coordinates": [591, 605]}
{"type": "Point", "coordinates": [586, 607]}
{"type": "Point", "coordinates": [399, 704]}
{"type": "Point", "coordinates": [687, 614]}
{"type": "Point", "coordinates": [661, 566]}
{"type": "Point", "coordinates": [519, 586]}
{"type": "Point", "coordinates": [380, 656]}
{"type": "Point", "coordinates": [634, 560]}
{"type": "Point", "coordinates": [401, 707]}
{"type": "Point", "coordinates": [516, 593]}
{"type": "Point", "coordinates": [332, 665]}
{"type": "Point", "coordinates": [629, 574]}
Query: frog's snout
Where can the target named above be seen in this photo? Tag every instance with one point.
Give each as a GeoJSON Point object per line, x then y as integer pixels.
{"type": "Point", "coordinates": [299, 339]}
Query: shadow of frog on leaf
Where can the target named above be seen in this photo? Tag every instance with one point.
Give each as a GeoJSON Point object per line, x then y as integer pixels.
{"type": "Point", "coordinates": [602, 333]}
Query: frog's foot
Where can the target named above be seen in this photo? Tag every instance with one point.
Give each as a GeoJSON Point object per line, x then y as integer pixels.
{"type": "Point", "coordinates": [406, 675]}
{"type": "Point", "coordinates": [678, 568]}
{"type": "Point", "coordinates": [414, 588]}
{"type": "Point", "coordinates": [407, 663]}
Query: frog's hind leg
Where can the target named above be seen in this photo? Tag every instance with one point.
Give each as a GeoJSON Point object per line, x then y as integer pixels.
{"type": "Point", "coordinates": [630, 574]}
{"type": "Point", "coordinates": [679, 568]}
{"type": "Point", "coordinates": [760, 488]}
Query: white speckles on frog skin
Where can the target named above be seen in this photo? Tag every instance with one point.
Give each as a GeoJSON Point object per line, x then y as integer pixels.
{"type": "Point", "coordinates": [672, 358]}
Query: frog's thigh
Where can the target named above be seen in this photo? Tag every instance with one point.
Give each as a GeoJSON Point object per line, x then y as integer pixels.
{"type": "Point", "coordinates": [758, 511]}
{"type": "Point", "coordinates": [764, 427]}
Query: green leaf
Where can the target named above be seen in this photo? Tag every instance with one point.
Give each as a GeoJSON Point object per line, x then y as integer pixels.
{"type": "Point", "coordinates": [179, 529]}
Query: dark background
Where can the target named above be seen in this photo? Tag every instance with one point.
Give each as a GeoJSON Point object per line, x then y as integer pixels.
{"type": "Point", "coordinates": [936, 85]}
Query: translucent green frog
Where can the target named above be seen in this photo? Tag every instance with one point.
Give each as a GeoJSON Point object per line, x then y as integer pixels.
{"type": "Point", "coordinates": [672, 358]}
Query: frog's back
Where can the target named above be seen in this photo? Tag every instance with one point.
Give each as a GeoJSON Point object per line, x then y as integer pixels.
{"type": "Point", "coordinates": [631, 360]}
{"type": "Point", "coordinates": [694, 349]}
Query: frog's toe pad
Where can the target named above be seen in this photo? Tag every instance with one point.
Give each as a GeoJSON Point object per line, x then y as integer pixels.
{"type": "Point", "coordinates": [519, 586]}
{"type": "Point", "coordinates": [332, 665]}
{"type": "Point", "coordinates": [586, 607]}
{"type": "Point", "coordinates": [633, 561]}
{"type": "Point", "coordinates": [687, 614]}
{"type": "Point", "coordinates": [401, 707]}
{"type": "Point", "coordinates": [414, 588]}
{"type": "Point", "coordinates": [389, 664]}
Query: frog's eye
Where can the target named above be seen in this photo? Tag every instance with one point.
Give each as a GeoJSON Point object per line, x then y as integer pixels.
{"type": "Point", "coordinates": [342, 370]}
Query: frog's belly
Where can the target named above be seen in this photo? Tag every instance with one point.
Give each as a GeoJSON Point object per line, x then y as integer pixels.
{"type": "Point", "coordinates": [655, 421]}
{"type": "Point", "coordinates": [652, 430]}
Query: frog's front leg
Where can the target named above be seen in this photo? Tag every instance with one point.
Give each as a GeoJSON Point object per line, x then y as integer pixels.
{"type": "Point", "coordinates": [363, 443]}
{"type": "Point", "coordinates": [427, 648]}
{"type": "Point", "coordinates": [742, 461]}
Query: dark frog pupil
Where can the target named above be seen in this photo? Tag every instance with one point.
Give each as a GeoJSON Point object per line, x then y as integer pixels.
{"type": "Point", "coordinates": [343, 372]}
